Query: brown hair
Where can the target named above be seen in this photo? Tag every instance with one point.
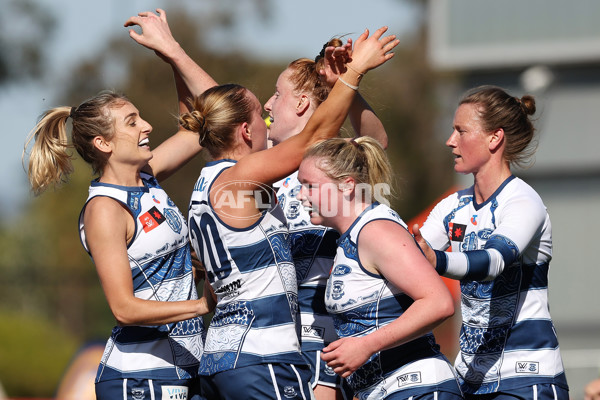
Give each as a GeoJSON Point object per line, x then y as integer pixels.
{"type": "Point", "coordinates": [305, 75]}
{"type": "Point", "coordinates": [50, 157]}
{"type": "Point", "coordinates": [216, 113]}
{"type": "Point", "coordinates": [498, 109]}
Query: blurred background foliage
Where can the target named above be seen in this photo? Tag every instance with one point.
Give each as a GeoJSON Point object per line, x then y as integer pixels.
{"type": "Point", "coordinates": [51, 299]}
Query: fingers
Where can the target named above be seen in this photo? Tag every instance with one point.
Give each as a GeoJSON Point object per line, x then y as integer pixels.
{"type": "Point", "coordinates": [415, 230]}
{"type": "Point", "coordinates": [162, 14]}
{"type": "Point", "coordinates": [363, 36]}
{"type": "Point", "coordinates": [379, 32]}
{"type": "Point", "coordinates": [132, 21]}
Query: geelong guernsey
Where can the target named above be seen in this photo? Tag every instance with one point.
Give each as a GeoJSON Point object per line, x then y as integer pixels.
{"type": "Point", "coordinates": [501, 251]}
{"type": "Point", "coordinates": [252, 273]}
{"type": "Point", "coordinates": [313, 251]}
{"type": "Point", "coordinates": [362, 302]}
{"type": "Point", "coordinates": [161, 270]}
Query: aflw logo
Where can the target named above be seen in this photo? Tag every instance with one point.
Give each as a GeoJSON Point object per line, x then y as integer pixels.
{"type": "Point", "coordinates": [527, 367]}
{"type": "Point", "coordinates": [409, 378]}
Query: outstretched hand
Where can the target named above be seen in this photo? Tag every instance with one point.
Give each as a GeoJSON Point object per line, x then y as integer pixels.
{"type": "Point", "coordinates": [371, 52]}
{"type": "Point", "coordinates": [335, 62]}
{"type": "Point", "coordinates": [156, 34]}
{"type": "Point", "coordinates": [427, 250]}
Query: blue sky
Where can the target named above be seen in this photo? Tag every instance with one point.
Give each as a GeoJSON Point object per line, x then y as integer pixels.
{"type": "Point", "coordinates": [296, 29]}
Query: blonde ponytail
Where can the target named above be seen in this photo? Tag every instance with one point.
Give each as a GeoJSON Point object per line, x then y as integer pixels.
{"type": "Point", "coordinates": [362, 158]}
{"type": "Point", "coordinates": [50, 158]}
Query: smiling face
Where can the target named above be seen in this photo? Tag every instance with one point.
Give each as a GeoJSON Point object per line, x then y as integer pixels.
{"type": "Point", "coordinates": [286, 117]}
{"type": "Point", "coordinates": [320, 195]}
{"type": "Point", "coordinates": [469, 142]}
{"type": "Point", "coordinates": [130, 142]}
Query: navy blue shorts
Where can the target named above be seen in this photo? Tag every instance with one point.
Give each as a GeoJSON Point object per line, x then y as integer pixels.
{"type": "Point", "coordinates": [262, 381]}
{"type": "Point", "coordinates": [149, 389]}
{"type": "Point", "coordinates": [535, 392]}
{"type": "Point", "coordinates": [324, 375]}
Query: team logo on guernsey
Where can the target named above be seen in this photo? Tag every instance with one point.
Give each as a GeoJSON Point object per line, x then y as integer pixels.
{"type": "Point", "coordinates": [151, 219]}
{"type": "Point", "coordinates": [338, 290]}
{"type": "Point", "coordinates": [173, 219]}
{"type": "Point", "coordinates": [137, 393]}
{"type": "Point", "coordinates": [527, 367]}
{"type": "Point", "coordinates": [286, 182]}
{"type": "Point", "coordinates": [474, 219]}
{"type": "Point", "coordinates": [155, 199]}
{"type": "Point", "coordinates": [457, 232]}
{"type": "Point", "coordinates": [409, 379]}
{"type": "Point", "coordinates": [293, 209]}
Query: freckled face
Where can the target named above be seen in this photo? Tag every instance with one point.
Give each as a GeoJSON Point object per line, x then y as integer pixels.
{"type": "Point", "coordinates": [468, 141]}
{"type": "Point", "coordinates": [282, 109]}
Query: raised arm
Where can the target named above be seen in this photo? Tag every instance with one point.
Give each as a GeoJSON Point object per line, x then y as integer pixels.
{"type": "Point", "coordinates": [277, 162]}
{"type": "Point", "coordinates": [362, 117]}
{"type": "Point", "coordinates": [190, 80]}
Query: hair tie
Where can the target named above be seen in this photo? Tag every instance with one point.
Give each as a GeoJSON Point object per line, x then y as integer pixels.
{"type": "Point", "coordinates": [72, 112]}
{"type": "Point", "coordinates": [355, 144]}
{"type": "Point", "coordinates": [519, 102]}
{"type": "Point", "coordinates": [322, 53]}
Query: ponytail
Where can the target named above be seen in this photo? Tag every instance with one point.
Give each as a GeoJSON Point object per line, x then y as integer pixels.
{"type": "Point", "coordinates": [50, 158]}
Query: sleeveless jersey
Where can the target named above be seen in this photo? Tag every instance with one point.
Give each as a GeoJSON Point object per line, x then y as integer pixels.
{"type": "Point", "coordinates": [507, 339]}
{"type": "Point", "coordinates": [161, 270]}
{"type": "Point", "coordinates": [252, 274]}
{"type": "Point", "coordinates": [362, 302]}
{"type": "Point", "coordinates": [313, 251]}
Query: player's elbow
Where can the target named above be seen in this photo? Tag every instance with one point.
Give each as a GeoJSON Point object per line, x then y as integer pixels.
{"type": "Point", "coordinates": [446, 308]}
{"type": "Point", "coordinates": [124, 317]}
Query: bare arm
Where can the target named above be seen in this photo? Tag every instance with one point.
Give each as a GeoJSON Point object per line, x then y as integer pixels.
{"type": "Point", "coordinates": [403, 265]}
{"type": "Point", "coordinates": [181, 147]}
{"type": "Point", "coordinates": [107, 225]}
{"type": "Point", "coordinates": [362, 117]}
{"type": "Point", "coordinates": [277, 162]}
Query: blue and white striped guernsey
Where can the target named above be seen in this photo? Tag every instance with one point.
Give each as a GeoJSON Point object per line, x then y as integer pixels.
{"type": "Point", "coordinates": [313, 251]}
{"type": "Point", "coordinates": [161, 268]}
{"type": "Point", "coordinates": [362, 302]}
{"type": "Point", "coordinates": [501, 251]}
{"type": "Point", "coordinates": [252, 273]}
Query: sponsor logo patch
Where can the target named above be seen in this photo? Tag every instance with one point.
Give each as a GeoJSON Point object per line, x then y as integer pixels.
{"type": "Point", "coordinates": [527, 367]}
{"type": "Point", "coordinates": [174, 393]}
{"type": "Point", "coordinates": [457, 232]}
{"type": "Point", "coordinates": [409, 378]}
{"type": "Point", "coordinates": [151, 219]}
{"type": "Point", "coordinates": [313, 331]}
